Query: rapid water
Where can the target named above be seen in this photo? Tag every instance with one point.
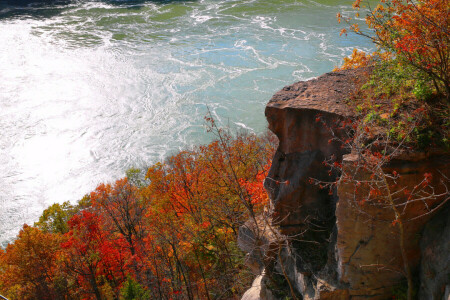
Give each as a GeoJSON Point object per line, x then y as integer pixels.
{"type": "Point", "coordinates": [90, 89]}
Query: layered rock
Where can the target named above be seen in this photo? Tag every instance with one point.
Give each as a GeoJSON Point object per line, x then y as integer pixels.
{"type": "Point", "coordinates": [336, 251]}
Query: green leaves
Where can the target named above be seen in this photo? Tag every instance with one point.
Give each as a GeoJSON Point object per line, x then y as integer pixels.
{"type": "Point", "coordinates": [54, 218]}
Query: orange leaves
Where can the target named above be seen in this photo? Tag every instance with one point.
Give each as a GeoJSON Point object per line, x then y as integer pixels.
{"type": "Point", "coordinates": [395, 222]}
{"type": "Point", "coordinates": [356, 60]}
{"type": "Point", "coordinates": [355, 28]}
{"type": "Point", "coordinates": [379, 8]}
{"type": "Point", "coordinates": [28, 265]}
{"type": "Point", "coordinates": [427, 179]}
{"type": "Point", "coordinates": [356, 4]}
{"type": "Point", "coordinates": [182, 222]}
{"type": "Point", "coordinates": [359, 58]}
{"type": "Point", "coordinates": [255, 190]}
{"type": "Point", "coordinates": [193, 178]}
{"type": "Point", "coordinates": [415, 31]}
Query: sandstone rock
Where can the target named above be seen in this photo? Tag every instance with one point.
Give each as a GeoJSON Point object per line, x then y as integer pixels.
{"type": "Point", "coordinates": [301, 208]}
{"type": "Point", "coordinates": [259, 290]}
{"type": "Point", "coordinates": [335, 252]}
{"type": "Point", "coordinates": [435, 265]}
{"type": "Point", "coordinates": [369, 259]}
{"type": "Point", "coordinates": [254, 293]}
{"type": "Point", "coordinates": [258, 239]}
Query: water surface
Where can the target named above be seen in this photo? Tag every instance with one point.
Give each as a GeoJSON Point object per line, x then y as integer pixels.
{"type": "Point", "coordinates": [90, 89]}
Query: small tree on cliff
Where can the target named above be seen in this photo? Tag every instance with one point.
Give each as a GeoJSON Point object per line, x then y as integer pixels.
{"type": "Point", "coordinates": [253, 197]}
{"type": "Point", "coordinates": [413, 42]}
{"type": "Point", "coordinates": [374, 141]}
{"type": "Point", "coordinates": [200, 198]}
{"type": "Point", "coordinates": [415, 31]}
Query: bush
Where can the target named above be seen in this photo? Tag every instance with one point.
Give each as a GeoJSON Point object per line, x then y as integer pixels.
{"type": "Point", "coordinates": [416, 32]}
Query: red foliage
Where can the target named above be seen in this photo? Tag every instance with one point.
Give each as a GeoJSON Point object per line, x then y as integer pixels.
{"type": "Point", "coordinates": [174, 236]}
{"type": "Point", "coordinates": [91, 256]}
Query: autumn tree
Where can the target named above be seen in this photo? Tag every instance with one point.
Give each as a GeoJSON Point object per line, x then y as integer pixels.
{"type": "Point", "coordinates": [54, 219]}
{"type": "Point", "coordinates": [415, 31]}
{"type": "Point", "coordinates": [91, 259]}
{"type": "Point", "coordinates": [28, 267]}
{"type": "Point", "coordinates": [123, 209]}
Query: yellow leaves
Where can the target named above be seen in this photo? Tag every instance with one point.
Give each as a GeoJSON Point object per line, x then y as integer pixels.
{"type": "Point", "coordinates": [343, 31]}
{"type": "Point", "coordinates": [379, 8]}
{"type": "Point", "coordinates": [210, 247]}
{"type": "Point", "coordinates": [185, 246]}
{"type": "Point", "coordinates": [339, 17]}
{"type": "Point", "coordinates": [357, 59]}
{"type": "Point", "coordinates": [355, 28]}
{"type": "Point", "coordinates": [361, 59]}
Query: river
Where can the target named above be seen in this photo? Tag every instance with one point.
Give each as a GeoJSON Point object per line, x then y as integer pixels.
{"type": "Point", "coordinates": [89, 89]}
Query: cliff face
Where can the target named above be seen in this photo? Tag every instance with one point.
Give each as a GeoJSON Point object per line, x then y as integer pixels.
{"type": "Point", "coordinates": [435, 263]}
{"type": "Point", "coordinates": [337, 250]}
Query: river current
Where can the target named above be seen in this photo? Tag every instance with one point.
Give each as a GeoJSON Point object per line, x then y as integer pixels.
{"type": "Point", "coordinates": [89, 89]}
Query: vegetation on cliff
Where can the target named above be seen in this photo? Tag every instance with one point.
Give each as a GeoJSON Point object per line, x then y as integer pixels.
{"type": "Point", "coordinates": [410, 84]}
{"type": "Point", "coordinates": [384, 183]}
{"type": "Point", "coordinates": [401, 109]}
{"type": "Point", "coordinates": [170, 234]}
{"type": "Point", "coordinates": [414, 33]}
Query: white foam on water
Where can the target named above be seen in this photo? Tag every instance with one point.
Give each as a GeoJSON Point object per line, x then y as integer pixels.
{"type": "Point", "coordinates": [95, 88]}
{"type": "Point", "coordinates": [244, 126]}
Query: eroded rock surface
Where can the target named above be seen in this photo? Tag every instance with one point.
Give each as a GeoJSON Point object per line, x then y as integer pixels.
{"type": "Point", "coordinates": [368, 245]}
{"type": "Point", "coordinates": [292, 114]}
{"type": "Point", "coordinates": [335, 252]}
{"type": "Point", "coordinates": [435, 264]}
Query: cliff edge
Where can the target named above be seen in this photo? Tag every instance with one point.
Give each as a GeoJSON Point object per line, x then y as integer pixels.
{"type": "Point", "coordinates": [334, 249]}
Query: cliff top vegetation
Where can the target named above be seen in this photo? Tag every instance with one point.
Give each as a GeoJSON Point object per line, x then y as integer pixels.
{"type": "Point", "coordinates": [408, 88]}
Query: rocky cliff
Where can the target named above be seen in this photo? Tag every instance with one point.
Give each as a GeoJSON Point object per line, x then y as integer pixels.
{"type": "Point", "coordinates": [331, 249]}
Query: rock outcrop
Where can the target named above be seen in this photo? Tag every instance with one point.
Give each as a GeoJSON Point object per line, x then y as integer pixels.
{"type": "Point", "coordinates": [435, 263]}
{"type": "Point", "coordinates": [336, 250]}
{"type": "Point", "coordinates": [368, 250]}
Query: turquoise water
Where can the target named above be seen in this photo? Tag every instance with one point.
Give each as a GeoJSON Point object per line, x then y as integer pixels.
{"type": "Point", "coordinates": [90, 89]}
